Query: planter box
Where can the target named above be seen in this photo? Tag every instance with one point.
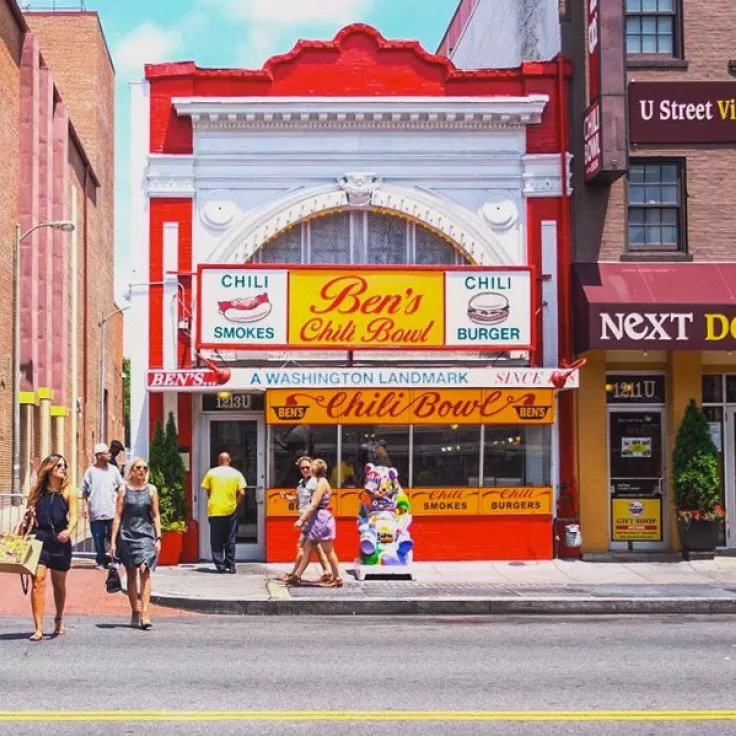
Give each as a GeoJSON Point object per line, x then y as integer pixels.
{"type": "Point", "coordinates": [171, 548]}
{"type": "Point", "coordinates": [698, 537]}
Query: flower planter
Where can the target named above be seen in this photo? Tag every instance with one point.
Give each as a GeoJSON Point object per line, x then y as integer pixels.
{"type": "Point", "coordinates": [171, 548]}
{"type": "Point", "coordinates": [698, 536]}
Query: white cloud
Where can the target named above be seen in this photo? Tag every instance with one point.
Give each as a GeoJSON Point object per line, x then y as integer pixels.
{"type": "Point", "coordinates": [146, 44]}
{"type": "Point", "coordinates": [293, 12]}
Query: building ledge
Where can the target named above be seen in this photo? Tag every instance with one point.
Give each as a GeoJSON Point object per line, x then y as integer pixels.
{"type": "Point", "coordinates": [656, 257]}
{"type": "Point", "coordinates": [653, 62]}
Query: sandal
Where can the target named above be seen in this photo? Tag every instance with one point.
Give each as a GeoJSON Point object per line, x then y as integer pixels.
{"type": "Point", "coordinates": [146, 624]}
{"type": "Point", "coordinates": [334, 583]}
{"type": "Point", "coordinates": [294, 580]}
{"type": "Point", "coordinates": [284, 578]}
{"type": "Point", "coordinates": [135, 619]}
{"type": "Point", "coordinates": [59, 629]}
{"type": "Point", "coordinates": [36, 636]}
{"type": "Point", "coordinates": [326, 577]}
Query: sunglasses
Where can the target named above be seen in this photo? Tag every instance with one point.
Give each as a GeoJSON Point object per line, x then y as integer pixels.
{"type": "Point", "coordinates": [141, 467]}
{"type": "Point", "coordinates": [60, 466]}
{"type": "Point", "coordinates": [304, 467]}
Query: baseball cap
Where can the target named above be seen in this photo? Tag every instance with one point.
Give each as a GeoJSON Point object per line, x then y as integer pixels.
{"type": "Point", "coordinates": [101, 448]}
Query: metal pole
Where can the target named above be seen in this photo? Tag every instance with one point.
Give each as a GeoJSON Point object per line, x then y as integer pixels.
{"type": "Point", "coordinates": [16, 368]}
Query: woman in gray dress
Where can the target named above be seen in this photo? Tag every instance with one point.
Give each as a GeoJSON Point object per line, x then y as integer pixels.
{"type": "Point", "coordinates": [136, 538]}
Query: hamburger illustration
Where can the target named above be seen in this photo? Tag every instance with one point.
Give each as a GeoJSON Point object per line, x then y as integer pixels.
{"type": "Point", "coordinates": [488, 308]}
{"type": "Point", "coordinates": [253, 309]}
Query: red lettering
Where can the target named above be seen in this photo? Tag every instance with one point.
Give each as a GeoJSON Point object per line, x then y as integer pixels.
{"type": "Point", "coordinates": [343, 295]}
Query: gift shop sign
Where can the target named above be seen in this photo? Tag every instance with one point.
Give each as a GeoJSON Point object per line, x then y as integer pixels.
{"type": "Point", "coordinates": [365, 308]}
{"type": "Point", "coordinates": [462, 406]}
{"type": "Point", "coordinates": [636, 519]}
{"type": "Point", "coordinates": [666, 327]}
{"type": "Point", "coordinates": [682, 112]}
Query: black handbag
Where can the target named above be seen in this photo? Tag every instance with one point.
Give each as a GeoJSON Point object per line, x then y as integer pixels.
{"type": "Point", "coordinates": [113, 584]}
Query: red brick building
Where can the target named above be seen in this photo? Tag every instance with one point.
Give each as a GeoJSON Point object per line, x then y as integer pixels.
{"type": "Point", "coordinates": [57, 166]}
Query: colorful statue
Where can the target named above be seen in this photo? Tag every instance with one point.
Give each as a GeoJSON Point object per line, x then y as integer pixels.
{"type": "Point", "coordinates": [384, 519]}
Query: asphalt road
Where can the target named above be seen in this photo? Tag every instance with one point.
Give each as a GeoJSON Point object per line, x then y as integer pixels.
{"type": "Point", "coordinates": [258, 668]}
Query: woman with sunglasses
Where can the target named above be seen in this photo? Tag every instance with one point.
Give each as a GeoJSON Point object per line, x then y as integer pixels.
{"type": "Point", "coordinates": [52, 517]}
{"type": "Point", "coordinates": [136, 538]}
{"type": "Point", "coordinates": [305, 488]}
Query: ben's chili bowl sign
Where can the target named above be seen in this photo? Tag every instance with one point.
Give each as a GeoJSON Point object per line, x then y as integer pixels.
{"type": "Point", "coordinates": [365, 308]}
{"type": "Point", "coordinates": [460, 406]}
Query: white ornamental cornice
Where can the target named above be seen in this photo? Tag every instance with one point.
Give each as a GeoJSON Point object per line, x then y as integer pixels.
{"type": "Point", "coordinates": [542, 175]}
{"type": "Point", "coordinates": [345, 113]}
{"type": "Point", "coordinates": [170, 176]}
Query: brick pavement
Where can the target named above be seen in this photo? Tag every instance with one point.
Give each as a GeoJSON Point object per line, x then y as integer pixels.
{"type": "Point", "coordinates": [85, 596]}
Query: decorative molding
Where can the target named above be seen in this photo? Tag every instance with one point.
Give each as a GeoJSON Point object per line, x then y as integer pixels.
{"type": "Point", "coordinates": [500, 214]}
{"type": "Point", "coordinates": [541, 175]}
{"type": "Point", "coordinates": [341, 113]}
{"type": "Point", "coordinates": [463, 229]}
{"type": "Point", "coordinates": [170, 176]}
{"type": "Point", "coordinates": [218, 210]}
{"type": "Point", "coordinates": [359, 187]}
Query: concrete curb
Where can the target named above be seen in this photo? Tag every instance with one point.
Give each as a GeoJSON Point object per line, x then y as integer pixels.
{"type": "Point", "coordinates": [568, 606]}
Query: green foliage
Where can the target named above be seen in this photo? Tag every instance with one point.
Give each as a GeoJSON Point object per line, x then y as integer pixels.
{"type": "Point", "coordinates": [695, 465]}
{"type": "Point", "coordinates": [168, 475]}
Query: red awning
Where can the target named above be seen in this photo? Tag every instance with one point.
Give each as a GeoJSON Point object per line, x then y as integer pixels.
{"type": "Point", "coordinates": [655, 306]}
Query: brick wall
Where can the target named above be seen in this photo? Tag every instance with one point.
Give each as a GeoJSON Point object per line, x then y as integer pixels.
{"type": "Point", "coordinates": [75, 49]}
{"type": "Point", "coordinates": [10, 49]}
{"type": "Point", "coordinates": [710, 30]}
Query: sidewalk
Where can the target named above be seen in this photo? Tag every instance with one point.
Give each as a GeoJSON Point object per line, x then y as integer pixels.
{"type": "Point", "coordinates": [548, 587]}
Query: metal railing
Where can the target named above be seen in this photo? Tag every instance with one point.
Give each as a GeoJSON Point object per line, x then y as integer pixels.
{"type": "Point", "coordinates": [12, 508]}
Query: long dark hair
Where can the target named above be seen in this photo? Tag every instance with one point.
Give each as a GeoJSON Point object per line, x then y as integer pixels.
{"type": "Point", "coordinates": [43, 479]}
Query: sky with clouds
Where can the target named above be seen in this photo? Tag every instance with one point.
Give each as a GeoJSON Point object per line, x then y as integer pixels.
{"type": "Point", "coordinates": [234, 33]}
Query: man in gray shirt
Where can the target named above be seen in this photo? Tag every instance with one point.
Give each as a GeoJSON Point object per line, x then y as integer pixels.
{"type": "Point", "coordinates": [100, 486]}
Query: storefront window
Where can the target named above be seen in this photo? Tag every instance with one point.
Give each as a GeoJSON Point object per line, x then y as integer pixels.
{"type": "Point", "coordinates": [446, 457]}
{"type": "Point", "coordinates": [712, 389]}
{"type": "Point", "coordinates": [714, 415]}
{"type": "Point", "coordinates": [288, 444]}
{"type": "Point", "coordinates": [380, 445]}
{"type": "Point", "coordinates": [731, 389]}
{"type": "Point", "coordinates": [517, 456]}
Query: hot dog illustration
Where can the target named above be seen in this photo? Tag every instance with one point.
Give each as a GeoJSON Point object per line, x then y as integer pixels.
{"type": "Point", "coordinates": [253, 309]}
{"type": "Point", "coordinates": [488, 308]}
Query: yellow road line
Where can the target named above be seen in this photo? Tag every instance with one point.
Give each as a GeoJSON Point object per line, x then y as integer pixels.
{"type": "Point", "coordinates": [367, 715]}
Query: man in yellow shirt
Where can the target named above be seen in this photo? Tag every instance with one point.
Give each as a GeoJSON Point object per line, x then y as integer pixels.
{"type": "Point", "coordinates": [225, 487]}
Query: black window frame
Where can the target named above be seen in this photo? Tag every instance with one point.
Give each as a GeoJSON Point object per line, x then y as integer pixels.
{"type": "Point", "coordinates": [677, 31]}
{"type": "Point", "coordinates": [654, 249]}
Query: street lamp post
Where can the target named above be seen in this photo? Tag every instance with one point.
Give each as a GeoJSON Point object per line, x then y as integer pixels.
{"type": "Point", "coordinates": [65, 226]}
{"type": "Point", "coordinates": [102, 325]}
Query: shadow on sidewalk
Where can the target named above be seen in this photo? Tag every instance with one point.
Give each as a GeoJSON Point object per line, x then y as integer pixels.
{"type": "Point", "coordinates": [14, 637]}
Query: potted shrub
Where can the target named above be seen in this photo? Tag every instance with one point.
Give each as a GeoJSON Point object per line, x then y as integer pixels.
{"type": "Point", "coordinates": [168, 475]}
{"type": "Point", "coordinates": [696, 484]}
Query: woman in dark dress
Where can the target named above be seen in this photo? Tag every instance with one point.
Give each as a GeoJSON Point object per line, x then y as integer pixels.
{"type": "Point", "coordinates": [52, 515]}
{"type": "Point", "coordinates": [136, 538]}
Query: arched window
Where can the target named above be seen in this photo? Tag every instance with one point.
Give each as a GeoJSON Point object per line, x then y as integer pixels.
{"type": "Point", "coordinates": [360, 237]}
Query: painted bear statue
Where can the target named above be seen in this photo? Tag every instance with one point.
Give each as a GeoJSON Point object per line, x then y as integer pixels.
{"type": "Point", "coordinates": [384, 519]}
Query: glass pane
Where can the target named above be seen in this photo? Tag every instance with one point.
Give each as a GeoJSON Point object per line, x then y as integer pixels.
{"type": "Point", "coordinates": [649, 45]}
{"type": "Point", "coordinates": [669, 216]}
{"type": "Point", "coordinates": [669, 173]}
{"type": "Point", "coordinates": [633, 43]}
{"type": "Point", "coordinates": [654, 235]}
{"type": "Point", "coordinates": [287, 248]}
{"type": "Point", "coordinates": [637, 235]}
{"type": "Point", "coordinates": [636, 194]}
{"type": "Point", "coordinates": [652, 216]}
{"type": "Point", "coordinates": [633, 6]}
{"type": "Point", "coordinates": [665, 44]}
{"type": "Point", "coordinates": [633, 26]}
{"type": "Point", "coordinates": [431, 249]}
{"type": "Point", "coordinates": [636, 174]}
{"type": "Point", "coordinates": [713, 413]}
{"type": "Point", "coordinates": [446, 457]}
{"type": "Point", "coordinates": [652, 173]}
{"type": "Point", "coordinates": [330, 239]}
{"type": "Point", "coordinates": [636, 215]}
{"type": "Point", "coordinates": [669, 235]}
{"type": "Point", "coordinates": [288, 444]}
{"type": "Point", "coordinates": [240, 441]}
{"type": "Point", "coordinates": [380, 445]}
{"type": "Point", "coordinates": [516, 456]}
{"type": "Point", "coordinates": [649, 6]}
{"type": "Point", "coordinates": [653, 194]}
{"type": "Point", "coordinates": [666, 6]}
{"type": "Point", "coordinates": [668, 194]}
{"type": "Point", "coordinates": [712, 389]}
{"type": "Point", "coordinates": [635, 451]}
{"type": "Point", "coordinates": [731, 389]}
{"type": "Point", "coordinates": [387, 240]}
{"type": "Point", "coordinates": [649, 26]}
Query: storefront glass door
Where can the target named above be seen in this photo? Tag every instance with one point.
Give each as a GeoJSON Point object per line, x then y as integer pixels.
{"type": "Point", "coordinates": [636, 465]}
{"type": "Point", "coordinates": [729, 471]}
{"type": "Point", "coordinates": [243, 438]}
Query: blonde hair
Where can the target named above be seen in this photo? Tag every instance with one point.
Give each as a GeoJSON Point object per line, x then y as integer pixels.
{"type": "Point", "coordinates": [136, 461]}
{"type": "Point", "coordinates": [42, 479]}
{"type": "Point", "coordinates": [319, 468]}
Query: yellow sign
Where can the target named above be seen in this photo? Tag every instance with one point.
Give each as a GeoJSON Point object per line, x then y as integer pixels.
{"type": "Point", "coordinates": [636, 519]}
{"type": "Point", "coordinates": [346, 502]}
{"type": "Point", "coordinates": [410, 406]}
{"type": "Point", "coordinates": [367, 309]}
{"type": "Point", "coordinates": [516, 501]}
